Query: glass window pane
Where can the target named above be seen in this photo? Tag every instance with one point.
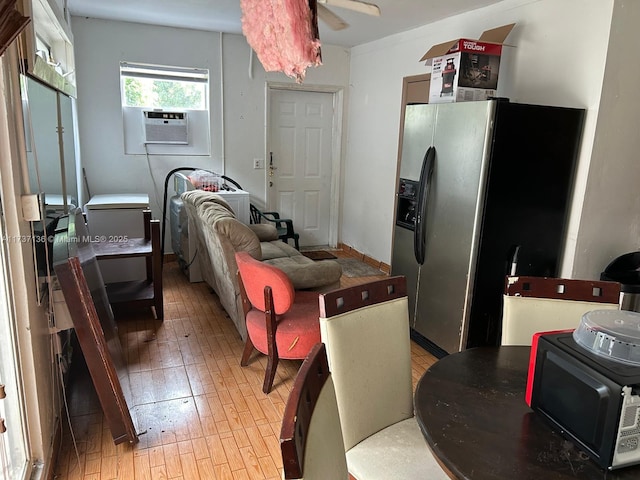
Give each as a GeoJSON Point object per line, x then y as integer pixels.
{"type": "Point", "coordinates": [161, 87]}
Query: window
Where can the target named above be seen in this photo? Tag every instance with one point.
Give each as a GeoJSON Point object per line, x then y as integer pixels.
{"type": "Point", "coordinates": [145, 87]}
{"type": "Point", "coordinates": [164, 87]}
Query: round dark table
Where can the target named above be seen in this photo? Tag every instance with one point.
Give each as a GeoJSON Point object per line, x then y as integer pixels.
{"type": "Point", "coordinates": [471, 409]}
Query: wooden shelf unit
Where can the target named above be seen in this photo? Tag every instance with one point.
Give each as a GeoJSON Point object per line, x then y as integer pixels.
{"type": "Point", "coordinates": [137, 293]}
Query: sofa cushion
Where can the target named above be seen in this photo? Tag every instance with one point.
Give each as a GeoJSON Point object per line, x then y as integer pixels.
{"type": "Point", "coordinates": [279, 249]}
{"type": "Point", "coordinates": [302, 271]}
{"type": "Point", "coordinates": [224, 222]}
{"type": "Point", "coordinates": [305, 273]}
{"type": "Point", "coordinates": [240, 236]}
{"type": "Point", "coordinates": [265, 233]}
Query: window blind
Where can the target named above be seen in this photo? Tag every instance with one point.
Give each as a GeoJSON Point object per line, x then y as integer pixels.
{"type": "Point", "coordinates": [159, 72]}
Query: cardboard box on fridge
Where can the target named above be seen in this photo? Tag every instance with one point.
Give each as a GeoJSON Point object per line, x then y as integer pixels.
{"type": "Point", "coordinates": [464, 69]}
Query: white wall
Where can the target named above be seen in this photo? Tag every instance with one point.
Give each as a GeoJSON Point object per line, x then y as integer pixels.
{"type": "Point", "coordinates": [237, 96]}
{"type": "Point", "coordinates": [99, 48]}
{"type": "Point", "coordinates": [610, 224]}
{"type": "Point", "coordinates": [245, 105]}
{"type": "Point", "coordinates": [558, 58]}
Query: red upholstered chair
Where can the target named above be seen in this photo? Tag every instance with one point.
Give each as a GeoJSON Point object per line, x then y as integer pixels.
{"type": "Point", "coordinates": [281, 322]}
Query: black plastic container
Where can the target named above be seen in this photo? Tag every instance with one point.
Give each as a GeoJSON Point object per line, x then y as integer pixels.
{"type": "Point", "coordinates": [626, 270]}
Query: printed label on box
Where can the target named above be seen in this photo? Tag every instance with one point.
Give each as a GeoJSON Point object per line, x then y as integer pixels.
{"type": "Point", "coordinates": [443, 77]}
{"type": "Point", "coordinates": [469, 71]}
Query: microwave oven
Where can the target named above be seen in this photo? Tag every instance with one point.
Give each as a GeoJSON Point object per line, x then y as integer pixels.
{"type": "Point", "coordinates": [593, 400]}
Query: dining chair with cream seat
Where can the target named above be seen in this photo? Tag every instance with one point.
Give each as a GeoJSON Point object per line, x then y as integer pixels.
{"type": "Point", "coordinates": [366, 332]}
{"type": "Point", "coordinates": [542, 304]}
{"type": "Point", "coordinates": [311, 437]}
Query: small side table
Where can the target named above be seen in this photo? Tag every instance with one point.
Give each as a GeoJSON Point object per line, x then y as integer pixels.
{"type": "Point", "coordinates": [137, 293]}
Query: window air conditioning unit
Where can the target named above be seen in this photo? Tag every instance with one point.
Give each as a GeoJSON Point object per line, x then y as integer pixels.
{"type": "Point", "coordinates": [166, 127]}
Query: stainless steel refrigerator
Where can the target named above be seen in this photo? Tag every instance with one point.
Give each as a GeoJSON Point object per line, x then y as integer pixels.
{"type": "Point", "coordinates": [483, 191]}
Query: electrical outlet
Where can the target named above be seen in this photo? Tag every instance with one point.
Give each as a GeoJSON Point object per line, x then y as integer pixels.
{"type": "Point", "coordinates": [258, 163]}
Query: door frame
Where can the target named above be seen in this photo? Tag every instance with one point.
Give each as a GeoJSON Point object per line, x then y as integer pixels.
{"type": "Point", "coordinates": [336, 146]}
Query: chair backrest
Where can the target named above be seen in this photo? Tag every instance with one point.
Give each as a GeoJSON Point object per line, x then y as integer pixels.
{"type": "Point", "coordinates": [257, 275]}
{"type": "Point", "coordinates": [255, 214]}
{"type": "Point", "coordinates": [366, 331]}
{"type": "Point", "coordinates": [541, 304]}
{"type": "Point", "coordinates": [311, 437]}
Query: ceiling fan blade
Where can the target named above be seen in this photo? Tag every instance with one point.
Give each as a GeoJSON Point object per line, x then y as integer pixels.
{"type": "Point", "coordinates": [331, 19]}
{"type": "Point", "coordinates": [355, 5]}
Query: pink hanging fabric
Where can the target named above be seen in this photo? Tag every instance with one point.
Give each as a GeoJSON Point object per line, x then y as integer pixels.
{"type": "Point", "coordinates": [283, 33]}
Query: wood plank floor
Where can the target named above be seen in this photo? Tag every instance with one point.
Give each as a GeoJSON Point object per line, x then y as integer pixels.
{"type": "Point", "coordinates": [199, 414]}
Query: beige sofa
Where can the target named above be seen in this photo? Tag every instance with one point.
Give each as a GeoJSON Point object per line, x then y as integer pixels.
{"type": "Point", "coordinates": [219, 235]}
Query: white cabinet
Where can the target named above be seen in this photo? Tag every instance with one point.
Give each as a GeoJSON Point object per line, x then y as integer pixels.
{"type": "Point", "coordinates": [239, 203]}
{"type": "Point", "coordinates": [111, 218]}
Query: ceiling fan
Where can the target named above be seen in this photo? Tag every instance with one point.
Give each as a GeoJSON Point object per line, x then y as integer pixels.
{"type": "Point", "coordinates": [334, 21]}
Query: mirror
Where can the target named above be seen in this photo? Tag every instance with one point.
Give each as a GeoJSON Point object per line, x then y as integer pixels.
{"type": "Point", "coordinates": [51, 162]}
{"type": "Point", "coordinates": [50, 142]}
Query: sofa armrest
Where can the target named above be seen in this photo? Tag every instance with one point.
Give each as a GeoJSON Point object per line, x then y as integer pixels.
{"type": "Point", "coordinates": [264, 232]}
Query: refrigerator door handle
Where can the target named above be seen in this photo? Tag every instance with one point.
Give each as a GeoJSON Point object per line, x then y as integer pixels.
{"type": "Point", "coordinates": [420, 232]}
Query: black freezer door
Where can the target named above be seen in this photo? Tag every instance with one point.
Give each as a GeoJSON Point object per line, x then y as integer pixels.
{"type": "Point", "coordinates": [528, 194]}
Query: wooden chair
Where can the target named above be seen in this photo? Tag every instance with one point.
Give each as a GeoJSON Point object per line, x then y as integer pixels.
{"type": "Point", "coordinates": [541, 304]}
{"type": "Point", "coordinates": [311, 437]}
{"type": "Point", "coordinates": [281, 322]}
{"type": "Point", "coordinates": [366, 331]}
{"type": "Point", "coordinates": [284, 226]}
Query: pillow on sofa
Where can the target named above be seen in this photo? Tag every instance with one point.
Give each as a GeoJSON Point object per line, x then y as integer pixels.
{"type": "Point", "coordinates": [224, 223]}
{"type": "Point", "coordinates": [240, 235]}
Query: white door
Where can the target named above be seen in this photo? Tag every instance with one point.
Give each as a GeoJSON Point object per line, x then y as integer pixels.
{"type": "Point", "coordinates": [299, 164]}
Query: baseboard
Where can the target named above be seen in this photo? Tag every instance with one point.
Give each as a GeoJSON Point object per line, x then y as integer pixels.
{"type": "Point", "coordinates": [427, 344]}
{"type": "Point", "coordinates": [49, 468]}
{"type": "Point", "coordinates": [365, 258]}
